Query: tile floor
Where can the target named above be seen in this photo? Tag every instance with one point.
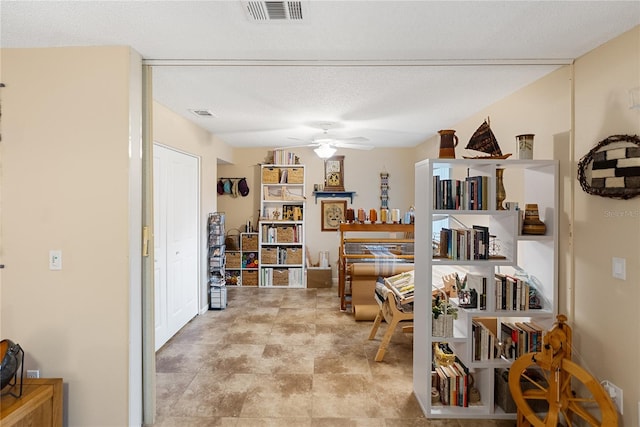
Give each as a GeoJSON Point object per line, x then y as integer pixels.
{"type": "Point", "coordinates": [287, 357]}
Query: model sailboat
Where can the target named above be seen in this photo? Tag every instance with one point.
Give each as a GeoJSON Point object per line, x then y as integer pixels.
{"type": "Point", "coordinates": [485, 141]}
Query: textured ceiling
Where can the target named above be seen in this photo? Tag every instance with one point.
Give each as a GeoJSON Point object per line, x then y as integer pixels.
{"type": "Point", "coordinates": [394, 72]}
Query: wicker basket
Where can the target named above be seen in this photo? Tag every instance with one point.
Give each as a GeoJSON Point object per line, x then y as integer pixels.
{"type": "Point", "coordinates": [270, 175]}
{"type": "Point", "coordinates": [284, 234]}
{"type": "Point", "coordinates": [233, 260]}
{"type": "Point", "coordinates": [294, 256]}
{"type": "Point", "coordinates": [249, 242]}
{"type": "Point", "coordinates": [280, 277]}
{"type": "Point", "coordinates": [232, 278]}
{"type": "Point", "coordinates": [268, 256]}
{"type": "Point", "coordinates": [295, 176]}
{"type": "Point", "coordinates": [249, 278]}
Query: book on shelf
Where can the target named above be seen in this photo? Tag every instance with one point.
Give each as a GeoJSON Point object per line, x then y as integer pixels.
{"type": "Point", "coordinates": [484, 339]}
{"type": "Point", "coordinates": [515, 294]}
{"type": "Point", "coordinates": [509, 336]}
{"type": "Point", "coordinates": [519, 338]}
{"type": "Point", "coordinates": [464, 243]}
{"type": "Point", "coordinates": [284, 157]}
{"type": "Point", "coordinates": [456, 194]}
{"type": "Point", "coordinates": [452, 382]}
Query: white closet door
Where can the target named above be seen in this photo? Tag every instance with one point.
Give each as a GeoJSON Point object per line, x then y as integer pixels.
{"type": "Point", "coordinates": [176, 191]}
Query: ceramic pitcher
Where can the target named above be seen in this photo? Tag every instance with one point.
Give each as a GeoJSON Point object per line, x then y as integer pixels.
{"type": "Point", "coordinates": [448, 143]}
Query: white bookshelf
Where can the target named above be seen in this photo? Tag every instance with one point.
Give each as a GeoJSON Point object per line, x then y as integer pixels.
{"type": "Point", "coordinates": [282, 226]}
{"type": "Point", "coordinates": [530, 181]}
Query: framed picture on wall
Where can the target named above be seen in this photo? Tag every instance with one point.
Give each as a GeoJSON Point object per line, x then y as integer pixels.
{"type": "Point", "coordinates": [333, 212]}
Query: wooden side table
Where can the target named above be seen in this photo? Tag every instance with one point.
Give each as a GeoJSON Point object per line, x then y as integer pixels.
{"type": "Point", "coordinates": [39, 405]}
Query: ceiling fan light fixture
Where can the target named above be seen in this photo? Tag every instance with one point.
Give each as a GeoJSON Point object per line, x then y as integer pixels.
{"type": "Point", "coordinates": [325, 151]}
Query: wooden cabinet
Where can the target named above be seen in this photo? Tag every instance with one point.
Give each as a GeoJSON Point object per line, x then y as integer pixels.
{"type": "Point", "coordinates": [282, 226]}
{"type": "Point", "coordinates": [510, 254]}
{"type": "Point", "coordinates": [371, 243]}
{"type": "Point", "coordinates": [40, 404]}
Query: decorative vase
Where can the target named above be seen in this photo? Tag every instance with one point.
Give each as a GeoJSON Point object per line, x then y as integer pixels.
{"type": "Point", "coordinates": [532, 223]}
{"type": "Point", "coordinates": [500, 193]}
{"type": "Point", "coordinates": [525, 146]}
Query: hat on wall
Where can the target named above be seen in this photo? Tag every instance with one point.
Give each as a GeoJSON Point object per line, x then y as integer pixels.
{"type": "Point", "coordinates": [220, 187]}
{"type": "Point", "coordinates": [234, 188]}
{"type": "Point", "coordinates": [243, 187]}
{"type": "Point", "coordinates": [227, 186]}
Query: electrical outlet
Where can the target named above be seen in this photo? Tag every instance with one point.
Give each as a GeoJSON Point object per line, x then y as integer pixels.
{"type": "Point", "coordinates": [55, 260]}
{"type": "Point", "coordinates": [33, 373]}
{"type": "Point", "coordinates": [615, 393]}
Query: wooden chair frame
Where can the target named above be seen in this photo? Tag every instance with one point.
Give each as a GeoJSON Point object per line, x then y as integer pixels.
{"type": "Point", "coordinates": [390, 312]}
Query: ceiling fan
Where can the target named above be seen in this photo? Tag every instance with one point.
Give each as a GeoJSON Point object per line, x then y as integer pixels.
{"type": "Point", "coordinates": [326, 145]}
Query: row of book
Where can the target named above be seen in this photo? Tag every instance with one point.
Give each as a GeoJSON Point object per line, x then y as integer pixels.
{"type": "Point", "coordinates": [513, 293]}
{"type": "Point", "coordinates": [510, 341]}
{"type": "Point", "coordinates": [472, 193]}
{"type": "Point", "coordinates": [284, 157]}
{"type": "Point", "coordinates": [452, 382]}
{"type": "Point", "coordinates": [519, 338]}
{"type": "Point", "coordinates": [464, 243]}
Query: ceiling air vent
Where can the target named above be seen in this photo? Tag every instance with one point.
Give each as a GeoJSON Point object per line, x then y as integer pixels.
{"type": "Point", "coordinates": [203, 113]}
{"type": "Point", "coordinates": [263, 11]}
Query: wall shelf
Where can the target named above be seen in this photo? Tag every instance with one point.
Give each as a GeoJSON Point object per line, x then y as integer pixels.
{"type": "Point", "coordinates": [333, 194]}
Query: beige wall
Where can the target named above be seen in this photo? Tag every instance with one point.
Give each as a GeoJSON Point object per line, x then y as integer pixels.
{"type": "Point", "coordinates": [65, 141]}
{"type": "Point", "coordinates": [174, 131]}
{"type": "Point", "coordinates": [606, 309]}
{"type": "Point", "coordinates": [362, 175]}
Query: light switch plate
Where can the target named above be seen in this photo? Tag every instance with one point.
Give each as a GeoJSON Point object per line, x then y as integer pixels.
{"type": "Point", "coordinates": [618, 268]}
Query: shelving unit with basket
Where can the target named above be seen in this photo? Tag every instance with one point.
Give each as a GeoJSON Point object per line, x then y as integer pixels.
{"type": "Point", "coordinates": [510, 282]}
{"type": "Point", "coordinates": [281, 228]}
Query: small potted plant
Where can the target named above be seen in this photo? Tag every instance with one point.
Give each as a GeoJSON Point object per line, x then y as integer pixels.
{"type": "Point", "coordinates": [443, 314]}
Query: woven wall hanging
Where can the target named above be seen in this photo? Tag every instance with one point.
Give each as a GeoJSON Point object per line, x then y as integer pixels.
{"type": "Point", "coordinates": [612, 168]}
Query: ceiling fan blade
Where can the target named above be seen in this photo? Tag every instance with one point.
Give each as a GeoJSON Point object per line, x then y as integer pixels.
{"type": "Point", "coordinates": [288, 147]}
{"type": "Point", "coordinates": [340, 144]}
{"type": "Point", "coordinates": [352, 139]}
